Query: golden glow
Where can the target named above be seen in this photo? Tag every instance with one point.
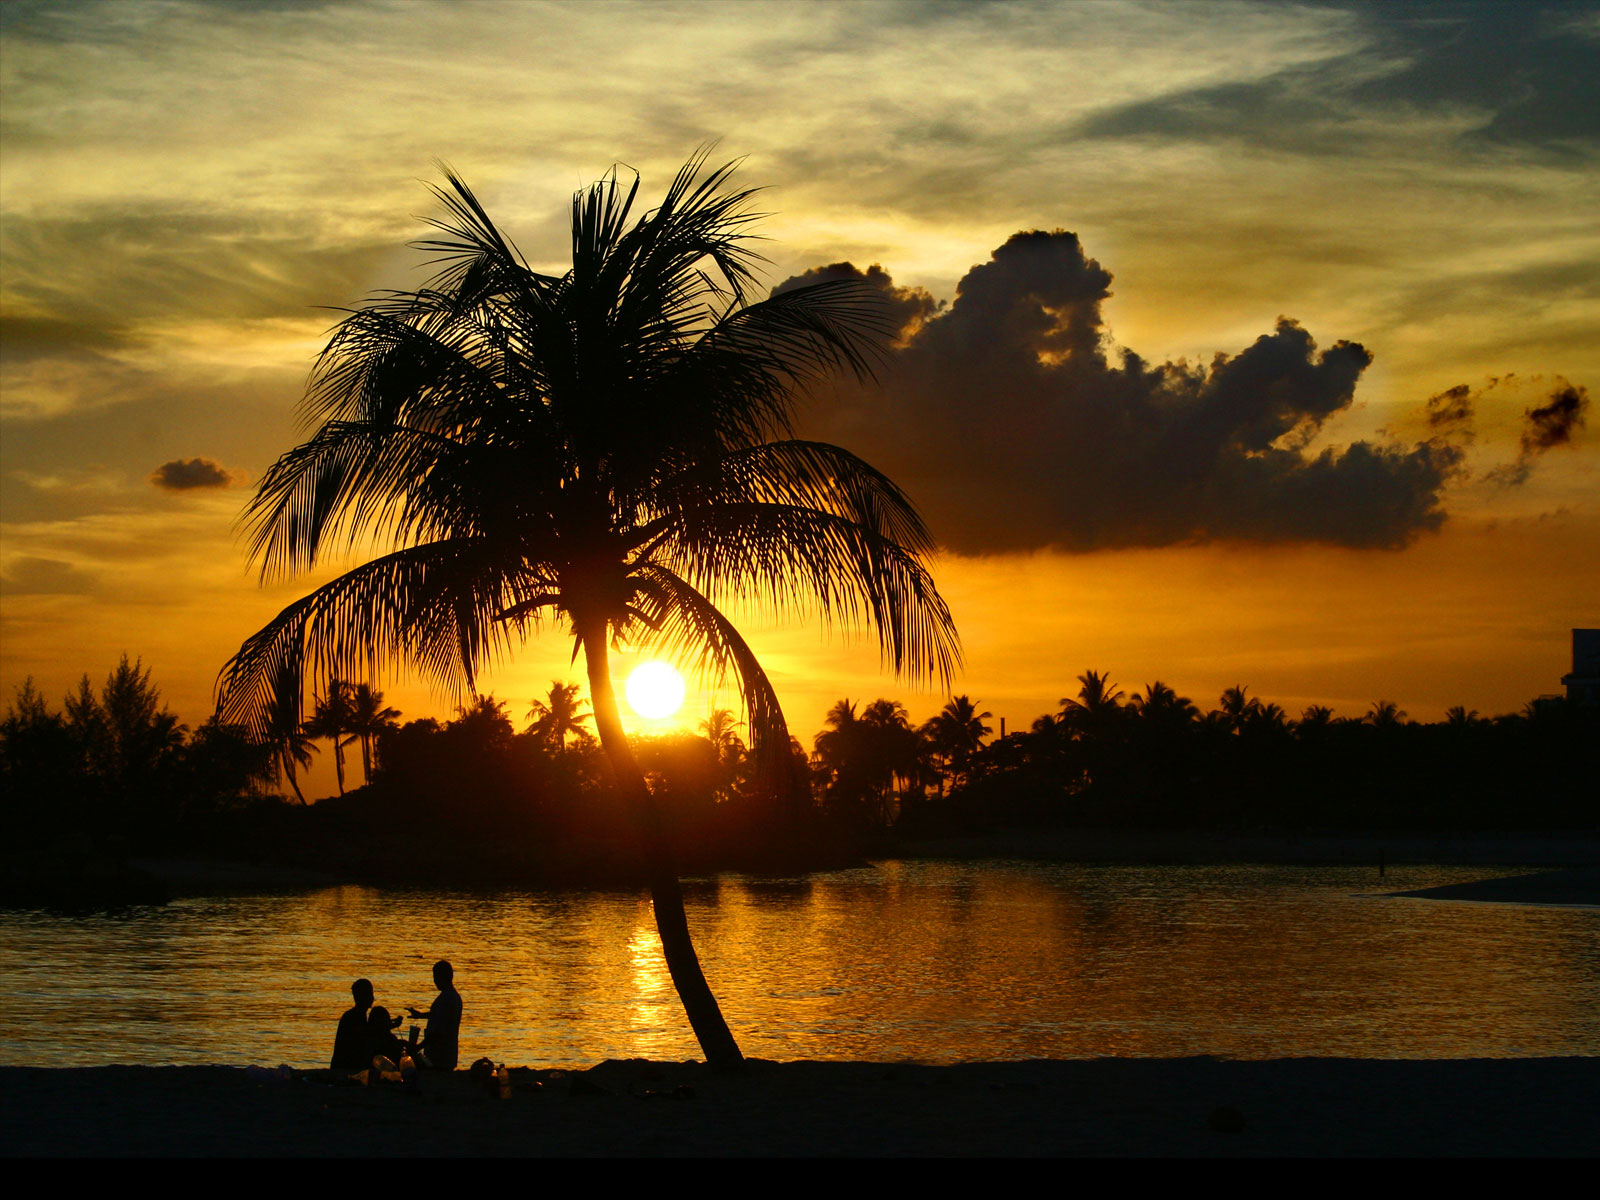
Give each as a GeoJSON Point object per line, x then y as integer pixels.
{"type": "Point", "coordinates": [655, 690]}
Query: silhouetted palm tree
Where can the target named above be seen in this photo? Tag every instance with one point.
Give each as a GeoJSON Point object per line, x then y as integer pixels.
{"type": "Point", "coordinates": [1385, 714]}
{"type": "Point", "coordinates": [332, 717]}
{"type": "Point", "coordinates": [559, 716]}
{"type": "Point", "coordinates": [288, 740]}
{"type": "Point", "coordinates": [1316, 716]}
{"type": "Point", "coordinates": [1236, 709]}
{"type": "Point", "coordinates": [596, 448]}
{"type": "Point", "coordinates": [1097, 705]}
{"type": "Point", "coordinates": [369, 718]}
{"type": "Point", "coordinates": [956, 733]}
{"type": "Point", "coordinates": [720, 730]}
{"type": "Point", "coordinates": [1162, 706]}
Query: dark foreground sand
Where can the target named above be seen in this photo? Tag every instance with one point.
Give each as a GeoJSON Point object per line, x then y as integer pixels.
{"type": "Point", "coordinates": [1147, 1107]}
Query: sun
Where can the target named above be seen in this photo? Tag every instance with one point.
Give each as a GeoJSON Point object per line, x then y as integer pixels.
{"type": "Point", "coordinates": [655, 690]}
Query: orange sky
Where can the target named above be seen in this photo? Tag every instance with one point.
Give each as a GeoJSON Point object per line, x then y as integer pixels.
{"type": "Point", "coordinates": [183, 185]}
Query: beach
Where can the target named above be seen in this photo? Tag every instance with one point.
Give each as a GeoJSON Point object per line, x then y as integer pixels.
{"type": "Point", "coordinates": [1196, 1107]}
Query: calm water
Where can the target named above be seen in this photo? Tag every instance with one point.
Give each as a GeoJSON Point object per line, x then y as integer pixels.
{"type": "Point", "coordinates": [933, 961]}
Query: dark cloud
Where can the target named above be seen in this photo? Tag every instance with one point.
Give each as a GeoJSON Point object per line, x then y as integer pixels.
{"type": "Point", "coordinates": [1451, 411]}
{"type": "Point", "coordinates": [1004, 418]}
{"type": "Point", "coordinates": [1549, 425]}
{"type": "Point", "coordinates": [1553, 424]}
{"type": "Point", "coordinates": [185, 474]}
{"type": "Point", "coordinates": [29, 576]}
{"type": "Point", "coordinates": [909, 308]}
{"type": "Point", "coordinates": [1529, 74]}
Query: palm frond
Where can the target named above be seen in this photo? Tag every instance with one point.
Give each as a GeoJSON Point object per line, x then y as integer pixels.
{"type": "Point", "coordinates": [426, 607]}
{"type": "Point", "coordinates": [684, 624]}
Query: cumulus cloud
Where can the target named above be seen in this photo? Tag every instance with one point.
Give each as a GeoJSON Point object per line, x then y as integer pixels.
{"type": "Point", "coordinates": [185, 474]}
{"type": "Point", "coordinates": [1007, 420]}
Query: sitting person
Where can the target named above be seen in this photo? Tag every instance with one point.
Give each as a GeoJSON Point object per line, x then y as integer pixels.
{"type": "Point", "coordinates": [350, 1051]}
{"type": "Point", "coordinates": [381, 1041]}
{"type": "Point", "coordinates": [440, 1041]}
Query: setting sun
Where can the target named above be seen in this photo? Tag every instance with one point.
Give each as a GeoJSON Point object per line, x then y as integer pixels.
{"type": "Point", "coordinates": [655, 690]}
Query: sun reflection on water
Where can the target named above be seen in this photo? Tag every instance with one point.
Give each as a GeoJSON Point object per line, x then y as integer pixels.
{"type": "Point", "coordinates": [932, 961]}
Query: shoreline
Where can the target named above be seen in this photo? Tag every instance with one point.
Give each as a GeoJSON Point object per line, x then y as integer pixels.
{"type": "Point", "coordinates": [155, 879]}
{"type": "Point", "coordinates": [1166, 847]}
{"type": "Point", "coordinates": [1191, 1107]}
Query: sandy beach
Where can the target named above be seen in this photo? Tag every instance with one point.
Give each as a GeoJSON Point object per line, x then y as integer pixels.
{"type": "Point", "coordinates": [1197, 1107]}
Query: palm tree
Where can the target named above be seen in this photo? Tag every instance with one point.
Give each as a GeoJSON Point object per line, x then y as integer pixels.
{"type": "Point", "coordinates": [291, 745]}
{"type": "Point", "coordinates": [369, 718]}
{"type": "Point", "coordinates": [720, 730]}
{"type": "Point", "coordinates": [558, 716]}
{"type": "Point", "coordinates": [1099, 703]}
{"type": "Point", "coordinates": [609, 448]}
{"type": "Point", "coordinates": [1384, 714]}
{"type": "Point", "coordinates": [1315, 716]}
{"type": "Point", "coordinates": [956, 733]}
{"type": "Point", "coordinates": [1162, 706]}
{"type": "Point", "coordinates": [332, 718]}
{"type": "Point", "coordinates": [1236, 709]}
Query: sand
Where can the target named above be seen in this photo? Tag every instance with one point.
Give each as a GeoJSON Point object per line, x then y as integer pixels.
{"type": "Point", "coordinates": [1196, 1107]}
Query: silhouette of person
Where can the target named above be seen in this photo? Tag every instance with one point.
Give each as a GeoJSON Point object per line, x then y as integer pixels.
{"type": "Point", "coordinates": [381, 1041]}
{"type": "Point", "coordinates": [440, 1039]}
{"type": "Point", "coordinates": [350, 1043]}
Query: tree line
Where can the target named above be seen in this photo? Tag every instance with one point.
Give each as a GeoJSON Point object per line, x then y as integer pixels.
{"type": "Point", "coordinates": [476, 796]}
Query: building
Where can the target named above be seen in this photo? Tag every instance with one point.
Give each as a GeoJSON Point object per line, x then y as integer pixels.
{"type": "Point", "coordinates": [1583, 684]}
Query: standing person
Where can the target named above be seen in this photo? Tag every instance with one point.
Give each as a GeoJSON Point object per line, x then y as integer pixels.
{"type": "Point", "coordinates": [350, 1043]}
{"type": "Point", "coordinates": [440, 1040]}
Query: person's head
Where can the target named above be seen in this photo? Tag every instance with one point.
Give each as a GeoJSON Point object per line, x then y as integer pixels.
{"type": "Point", "coordinates": [443, 973]}
{"type": "Point", "coordinates": [361, 989]}
{"type": "Point", "coordinates": [378, 1019]}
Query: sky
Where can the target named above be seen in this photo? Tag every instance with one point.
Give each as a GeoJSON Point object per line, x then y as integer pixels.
{"type": "Point", "coordinates": [1242, 343]}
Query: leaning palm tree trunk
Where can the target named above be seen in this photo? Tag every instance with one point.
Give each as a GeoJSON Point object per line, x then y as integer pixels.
{"type": "Point", "coordinates": [666, 897]}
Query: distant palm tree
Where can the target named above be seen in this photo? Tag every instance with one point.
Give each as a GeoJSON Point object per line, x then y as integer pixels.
{"type": "Point", "coordinates": [956, 733]}
{"type": "Point", "coordinates": [596, 448]}
{"type": "Point", "coordinates": [1458, 717]}
{"type": "Point", "coordinates": [332, 717]}
{"type": "Point", "coordinates": [368, 719]}
{"type": "Point", "coordinates": [1162, 705]}
{"type": "Point", "coordinates": [1316, 716]}
{"type": "Point", "coordinates": [720, 730]}
{"type": "Point", "coordinates": [1385, 714]}
{"type": "Point", "coordinates": [1097, 704]}
{"type": "Point", "coordinates": [1236, 709]}
{"type": "Point", "coordinates": [290, 744]}
{"type": "Point", "coordinates": [559, 716]}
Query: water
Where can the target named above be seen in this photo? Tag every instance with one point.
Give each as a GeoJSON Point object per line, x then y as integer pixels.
{"type": "Point", "coordinates": [929, 961]}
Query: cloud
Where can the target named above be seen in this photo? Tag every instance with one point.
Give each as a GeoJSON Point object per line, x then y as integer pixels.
{"type": "Point", "coordinates": [30, 576]}
{"type": "Point", "coordinates": [908, 308]}
{"type": "Point", "coordinates": [1008, 423]}
{"type": "Point", "coordinates": [1551, 424]}
{"type": "Point", "coordinates": [185, 474]}
{"type": "Point", "coordinates": [1487, 75]}
{"type": "Point", "coordinates": [1450, 412]}
{"type": "Point", "coordinates": [1554, 423]}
